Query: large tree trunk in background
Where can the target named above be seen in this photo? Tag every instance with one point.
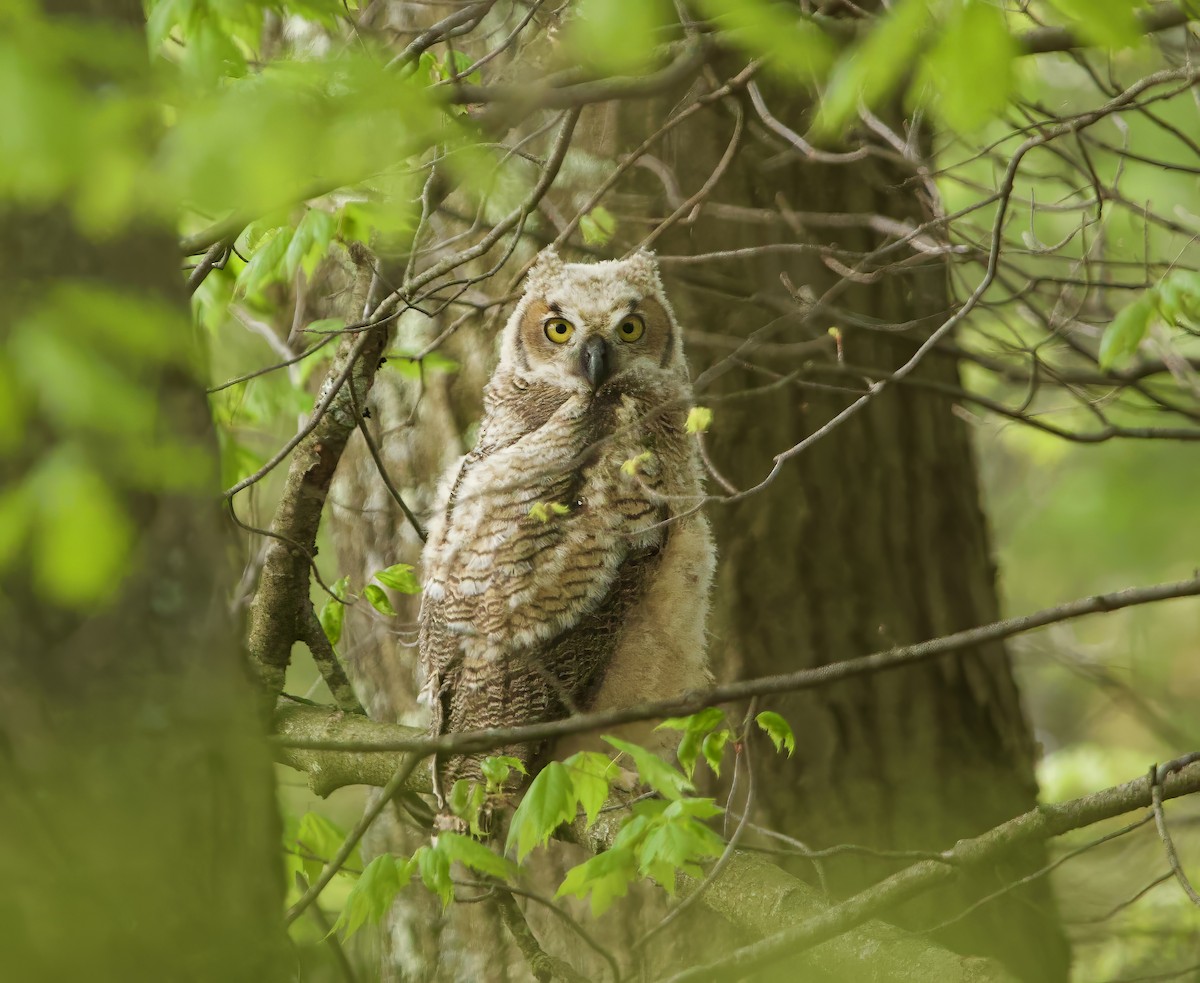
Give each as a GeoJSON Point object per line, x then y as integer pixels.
{"type": "Point", "coordinates": [874, 537]}
{"type": "Point", "coordinates": [138, 830]}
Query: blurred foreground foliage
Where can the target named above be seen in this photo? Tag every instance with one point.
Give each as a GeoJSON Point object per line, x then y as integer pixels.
{"type": "Point", "coordinates": [282, 129]}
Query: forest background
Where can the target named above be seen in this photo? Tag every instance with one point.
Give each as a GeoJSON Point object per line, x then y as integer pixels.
{"type": "Point", "coordinates": [1017, 181]}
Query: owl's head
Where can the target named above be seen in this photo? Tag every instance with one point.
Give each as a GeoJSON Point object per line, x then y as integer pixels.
{"type": "Point", "coordinates": [587, 326]}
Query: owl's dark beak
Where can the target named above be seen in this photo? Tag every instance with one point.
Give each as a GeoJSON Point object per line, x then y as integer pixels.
{"type": "Point", "coordinates": [595, 361]}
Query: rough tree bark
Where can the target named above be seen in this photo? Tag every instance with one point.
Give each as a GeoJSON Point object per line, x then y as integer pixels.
{"type": "Point", "coordinates": [138, 829]}
{"type": "Point", "coordinates": [875, 536]}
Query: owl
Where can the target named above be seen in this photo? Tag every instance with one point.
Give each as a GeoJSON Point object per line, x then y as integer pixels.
{"type": "Point", "coordinates": [567, 568]}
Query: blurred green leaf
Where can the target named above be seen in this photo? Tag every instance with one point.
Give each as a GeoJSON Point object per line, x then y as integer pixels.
{"type": "Point", "coordinates": [794, 47]}
{"type": "Point", "coordinates": [871, 68]}
{"type": "Point", "coordinates": [373, 893]}
{"type": "Point", "coordinates": [309, 242]}
{"type": "Point", "coordinates": [617, 37]}
{"type": "Point", "coordinates": [266, 265]}
{"type": "Point", "coordinates": [1126, 331]}
{"type": "Point", "coordinates": [970, 69]}
{"type": "Point", "coordinates": [1110, 23]}
{"type": "Point", "coordinates": [434, 866]}
{"type": "Point", "coordinates": [597, 226]}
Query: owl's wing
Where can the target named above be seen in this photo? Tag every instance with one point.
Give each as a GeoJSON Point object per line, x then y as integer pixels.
{"type": "Point", "coordinates": [530, 684]}
{"type": "Point", "coordinates": [524, 596]}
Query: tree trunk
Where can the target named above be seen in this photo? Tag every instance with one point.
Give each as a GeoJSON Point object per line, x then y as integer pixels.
{"type": "Point", "coordinates": [873, 537]}
{"type": "Point", "coordinates": [138, 831]}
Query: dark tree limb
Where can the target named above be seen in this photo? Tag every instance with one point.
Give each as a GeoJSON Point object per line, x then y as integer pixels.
{"type": "Point", "coordinates": [804, 679]}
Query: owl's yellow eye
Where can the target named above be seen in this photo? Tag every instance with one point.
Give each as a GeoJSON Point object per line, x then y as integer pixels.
{"type": "Point", "coordinates": [632, 328]}
{"type": "Point", "coordinates": [559, 330]}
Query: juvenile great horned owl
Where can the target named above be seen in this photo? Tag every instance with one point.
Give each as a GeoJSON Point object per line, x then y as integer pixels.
{"type": "Point", "coordinates": [553, 582]}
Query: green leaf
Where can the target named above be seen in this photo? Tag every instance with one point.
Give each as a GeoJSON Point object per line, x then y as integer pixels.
{"type": "Point", "coordinates": [795, 48]}
{"type": "Point", "coordinates": [434, 866]}
{"type": "Point", "coordinates": [373, 893]}
{"type": "Point", "coordinates": [379, 600]}
{"type": "Point", "coordinates": [321, 839]}
{"type": "Point", "coordinates": [869, 70]}
{"type": "Point", "coordinates": [618, 37]}
{"type": "Point", "coordinates": [401, 577]}
{"type": "Point", "coordinates": [679, 844]}
{"type": "Point", "coordinates": [778, 730]}
{"type": "Point", "coordinates": [549, 802]}
{"type": "Point", "coordinates": [591, 774]}
{"type": "Point", "coordinates": [466, 801]}
{"type": "Point", "coordinates": [333, 612]}
{"type": "Point", "coordinates": [598, 226]}
{"type": "Point", "coordinates": [695, 727]}
{"type": "Point", "coordinates": [633, 464]}
{"type": "Point", "coordinates": [265, 265]}
{"type": "Point", "coordinates": [652, 770]}
{"type": "Point", "coordinates": [84, 535]}
{"type": "Point", "coordinates": [471, 853]}
{"type": "Point", "coordinates": [713, 749]}
{"type": "Point", "coordinates": [496, 769]}
{"type": "Point", "coordinates": [413, 368]}
{"type": "Point", "coordinates": [1109, 23]}
{"type": "Point", "coordinates": [1126, 330]}
{"type": "Point", "coordinates": [603, 879]}
{"type": "Point", "coordinates": [699, 419]}
{"type": "Point", "coordinates": [539, 512]}
{"type": "Point", "coordinates": [969, 70]}
{"type": "Point", "coordinates": [309, 242]}
{"type": "Point", "coordinates": [704, 721]}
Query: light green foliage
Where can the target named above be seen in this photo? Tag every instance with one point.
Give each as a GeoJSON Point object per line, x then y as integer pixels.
{"type": "Point", "coordinates": [412, 367]}
{"type": "Point", "coordinates": [617, 36]}
{"type": "Point", "coordinates": [633, 465]}
{"type": "Point", "coordinates": [597, 226]}
{"type": "Point", "coordinates": [969, 69]}
{"type": "Point", "coordinates": [79, 374]}
{"type": "Point", "coordinates": [315, 842]}
{"type": "Point", "coordinates": [1175, 300]}
{"type": "Point", "coordinates": [379, 600]}
{"type": "Point", "coordinates": [1109, 23]}
{"type": "Point", "coordinates": [401, 577]}
{"type": "Point", "coordinates": [544, 511]}
{"type": "Point", "coordinates": [374, 891]}
{"type": "Point", "coordinates": [652, 770]}
{"type": "Point", "coordinates": [333, 613]}
{"type": "Point", "coordinates": [795, 48]}
{"type": "Point", "coordinates": [496, 770]}
{"type": "Point", "coordinates": [874, 66]}
{"type": "Point", "coordinates": [699, 419]}
{"type": "Point", "coordinates": [549, 802]}
{"type": "Point", "coordinates": [660, 840]}
{"type": "Point", "coordinates": [696, 730]}
{"type": "Point", "coordinates": [592, 775]}
{"type": "Point", "coordinates": [434, 865]}
{"type": "Point", "coordinates": [778, 730]}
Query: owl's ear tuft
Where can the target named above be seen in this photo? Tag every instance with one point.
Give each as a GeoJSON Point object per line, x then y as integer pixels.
{"type": "Point", "coordinates": [642, 268]}
{"type": "Point", "coordinates": [546, 266]}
